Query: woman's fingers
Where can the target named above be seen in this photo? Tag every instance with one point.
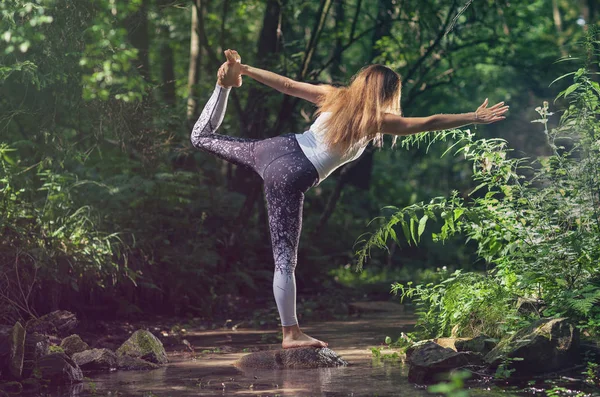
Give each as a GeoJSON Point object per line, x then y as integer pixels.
{"type": "Point", "coordinates": [498, 105]}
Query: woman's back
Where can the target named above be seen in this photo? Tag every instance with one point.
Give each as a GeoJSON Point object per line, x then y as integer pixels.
{"type": "Point", "coordinates": [326, 160]}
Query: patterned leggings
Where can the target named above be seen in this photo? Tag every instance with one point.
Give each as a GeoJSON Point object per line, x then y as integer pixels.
{"type": "Point", "coordinates": [287, 174]}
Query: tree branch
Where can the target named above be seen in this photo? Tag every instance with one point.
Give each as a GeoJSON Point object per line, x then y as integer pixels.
{"type": "Point", "coordinates": [433, 45]}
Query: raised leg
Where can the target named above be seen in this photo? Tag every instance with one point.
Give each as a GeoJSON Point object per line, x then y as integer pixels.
{"type": "Point", "coordinates": [239, 151]}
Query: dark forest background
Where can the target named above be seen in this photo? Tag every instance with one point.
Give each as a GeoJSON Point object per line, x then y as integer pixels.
{"type": "Point", "coordinates": [106, 208]}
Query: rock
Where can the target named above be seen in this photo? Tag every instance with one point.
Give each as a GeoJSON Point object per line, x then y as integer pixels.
{"type": "Point", "coordinates": [4, 350]}
{"type": "Point", "coordinates": [31, 385]}
{"type": "Point", "coordinates": [530, 306]}
{"type": "Point", "coordinates": [301, 357]}
{"type": "Point", "coordinates": [59, 322]}
{"type": "Point", "coordinates": [544, 346]}
{"type": "Point", "coordinates": [144, 345]}
{"type": "Point", "coordinates": [36, 346]}
{"type": "Point", "coordinates": [95, 360]}
{"type": "Point", "coordinates": [134, 364]}
{"type": "Point", "coordinates": [480, 344]}
{"type": "Point", "coordinates": [17, 350]}
{"type": "Point", "coordinates": [73, 344]}
{"type": "Point", "coordinates": [429, 360]}
{"type": "Point", "coordinates": [11, 387]}
{"type": "Point", "coordinates": [59, 368]}
{"type": "Point", "coordinates": [450, 343]}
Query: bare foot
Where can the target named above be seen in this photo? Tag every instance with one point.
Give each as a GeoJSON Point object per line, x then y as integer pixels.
{"type": "Point", "coordinates": [301, 340]}
{"type": "Point", "coordinates": [229, 74]}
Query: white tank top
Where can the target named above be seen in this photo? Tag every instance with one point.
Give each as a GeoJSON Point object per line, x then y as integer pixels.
{"type": "Point", "coordinates": [325, 160]}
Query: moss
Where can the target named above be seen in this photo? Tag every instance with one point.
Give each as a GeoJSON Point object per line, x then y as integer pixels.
{"type": "Point", "coordinates": [145, 345]}
{"type": "Point", "coordinates": [55, 349]}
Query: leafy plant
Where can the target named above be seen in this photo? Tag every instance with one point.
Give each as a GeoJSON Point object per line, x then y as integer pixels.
{"type": "Point", "coordinates": [536, 224]}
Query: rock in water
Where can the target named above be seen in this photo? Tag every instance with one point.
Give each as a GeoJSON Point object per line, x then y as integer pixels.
{"type": "Point", "coordinates": [58, 368]}
{"type": "Point", "coordinates": [142, 344]}
{"type": "Point", "coordinates": [480, 344]}
{"type": "Point", "coordinates": [134, 364]}
{"type": "Point", "coordinates": [59, 322]}
{"type": "Point", "coordinates": [300, 357]}
{"type": "Point", "coordinates": [544, 346]}
{"type": "Point", "coordinates": [73, 344]}
{"type": "Point", "coordinates": [36, 346]}
{"type": "Point", "coordinates": [95, 360]}
{"type": "Point", "coordinates": [17, 350]}
{"type": "Point", "coordinates": [429, 360]}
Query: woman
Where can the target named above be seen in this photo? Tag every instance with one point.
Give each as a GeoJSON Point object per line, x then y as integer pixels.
{"type": "Point", "coordinates": [348, 119]}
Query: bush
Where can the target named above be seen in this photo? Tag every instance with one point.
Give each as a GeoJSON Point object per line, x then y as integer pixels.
{"type": "Point", "coordinates": [539, 236]}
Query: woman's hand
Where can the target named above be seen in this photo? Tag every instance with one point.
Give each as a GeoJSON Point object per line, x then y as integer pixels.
{"type": "Point", "coordinates": [229, 74]}
{"type": "Point", "coordinates": [485, 115]}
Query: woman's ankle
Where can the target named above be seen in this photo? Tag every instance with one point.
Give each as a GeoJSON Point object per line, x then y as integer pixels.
{"type": "Point", "coordinates": [291, 331]}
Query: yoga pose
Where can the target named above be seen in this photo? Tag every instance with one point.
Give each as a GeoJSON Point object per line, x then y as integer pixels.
{"type": "Point", "coordinates": [290, 164]}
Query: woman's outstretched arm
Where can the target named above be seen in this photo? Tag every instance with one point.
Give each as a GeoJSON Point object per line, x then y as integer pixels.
{"type": "Point", "coordinates": [310, 92]}
{"type": "Point", "coordinates": [397, 125]}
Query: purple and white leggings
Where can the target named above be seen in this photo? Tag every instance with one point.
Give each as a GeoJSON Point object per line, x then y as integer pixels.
{"type": "Point", "coordinates": [287, 174]}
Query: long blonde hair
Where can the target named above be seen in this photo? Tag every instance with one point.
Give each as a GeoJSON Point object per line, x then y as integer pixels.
{"type": "Point", "coordinates": [357, 110]}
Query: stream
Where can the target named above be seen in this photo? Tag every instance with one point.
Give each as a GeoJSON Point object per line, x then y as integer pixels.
{"type": "Point", "coordinates": [210, 371]}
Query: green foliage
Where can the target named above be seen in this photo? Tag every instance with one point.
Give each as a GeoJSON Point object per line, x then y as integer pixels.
{"type": "Point", "coordinates": [539, 234]}
{"type": "Point", "coordinates": [47, 236]}
{"type": "Point", "coordinates": [472, 302]}
{"type": "Point", "coordinates": [455, 387]}
{"type": "Point", "coordinates": [105, 202]}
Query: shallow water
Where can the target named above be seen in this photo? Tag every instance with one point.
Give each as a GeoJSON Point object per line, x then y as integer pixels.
{"type": "Point", "coordinates": [211, 374]}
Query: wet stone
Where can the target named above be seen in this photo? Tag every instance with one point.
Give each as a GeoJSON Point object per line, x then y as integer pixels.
{"type": "Point", "coordinates": [17, 350]}
{"type": "Point", "coordinates": [59, 368]}
{"type": "Point", "coordinates": [429, 360]}
{"type": "Point", "coordinates": [544, 346]}
{"type": "Point", "coordinates": [73, 344]}
{"type": "Point", "coordinates": [96, 360]}
{"type": "Point", "coordinates": [129, 363]}
{"type": "Point", "coordinates": [36, 346]}
{"type": "Point", "coordinates": [301, 357]}
{"type": "Point", "coordinates": [59, 322]}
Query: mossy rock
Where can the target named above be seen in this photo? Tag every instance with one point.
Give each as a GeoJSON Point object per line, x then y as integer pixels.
{"type": "Point", "coordinates": [143, 344]}
{"type": "Point", "coordinates": [544, 346]}
{"type": "Point", "coordinates": [480, 344]}
{"type": "Point", "coordinates": [73, 344]}
{"type": "Point", "coordinates": [17, 350]}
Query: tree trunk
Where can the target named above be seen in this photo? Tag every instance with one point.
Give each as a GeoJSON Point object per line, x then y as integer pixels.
{"type": "Point", "coordinates": [168, 68]}
{"type": "Point", "coordinates": [195, 62]}
{"type": "Point", "coordinates": [337, 71]}
{"type": "Point", "coordinates": [137, 32]}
